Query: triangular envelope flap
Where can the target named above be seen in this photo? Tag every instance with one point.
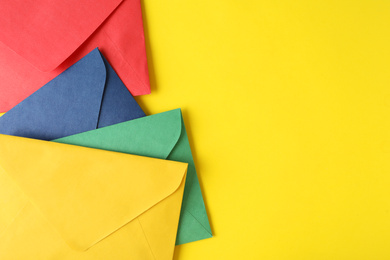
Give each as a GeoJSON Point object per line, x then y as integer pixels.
{"type": "Point", "coordinates": [153, 136]}
{"type": "Point", "coordinates": [46, 32]}
{"type": "Point", "coordinates": [118, 105]}
{"type": "Point", "coordinates": [87, 194]}
{"type": "Point", "coordinates": [67, 105]}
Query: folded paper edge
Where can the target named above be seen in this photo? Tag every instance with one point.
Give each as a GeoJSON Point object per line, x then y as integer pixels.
{"type": "Point", "coordinates": [54, 65]}
{"type": "Point", "coordinates": [166, 194]}
{"type": "Point", "coordinates": [181, 182]}
{"type": "Point", "coordinates": [103, 70]}
{"type": "Point", "coordinates": [179, 132]}
{"type": "Point", "coordinates": [173, 142]}
{"type": "Point", "coordinates": [104, 85]}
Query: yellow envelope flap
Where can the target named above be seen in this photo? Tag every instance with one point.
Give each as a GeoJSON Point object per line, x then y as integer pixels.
{"type": "Point", "coordinates": [87, 194]}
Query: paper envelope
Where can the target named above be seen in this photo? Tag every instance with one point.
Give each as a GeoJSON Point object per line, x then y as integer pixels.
{"type": "Point", "coordinates": [39, 39]}
{"type": "Point", "coordinates": [70, 202]}
{"type": "Point", "coordinates": [160, 136]}
{"type": "Point", "coordinates": [86, 96]}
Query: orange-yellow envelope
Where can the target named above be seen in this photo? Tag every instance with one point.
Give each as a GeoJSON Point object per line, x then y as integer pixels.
{"type": "Point", "coordinates": [61, 201]}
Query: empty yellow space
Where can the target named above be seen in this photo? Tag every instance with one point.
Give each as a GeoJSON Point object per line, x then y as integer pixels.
{"type": "Point", "coordinates": [287, 105]}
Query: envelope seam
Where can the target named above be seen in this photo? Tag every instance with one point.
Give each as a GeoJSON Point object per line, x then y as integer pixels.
{"type": "Point", "coordinates": [13, 220]}
{"type": "Point", "coordinates": [104, 90]}
{"type": "Point", "coordinates": [146, 238]}
{"type": "Point", "coordinates": [62, 60]}
{"type": "Point", "coordinates": [178, 138]}
{"type": "Point", "coordinates": [21, 209]}
{"type": "Point", "coordinates": [120, 52]}
{"type": "Point", "coordinates": [198, 222]}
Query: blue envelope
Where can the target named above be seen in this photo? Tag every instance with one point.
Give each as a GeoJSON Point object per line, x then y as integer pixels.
{"type": "Point", "coordinates": [87, 96]}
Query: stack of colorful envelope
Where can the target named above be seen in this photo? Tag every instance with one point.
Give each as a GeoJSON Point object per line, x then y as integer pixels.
{"type": "Point", "coordinates": [84, 173]}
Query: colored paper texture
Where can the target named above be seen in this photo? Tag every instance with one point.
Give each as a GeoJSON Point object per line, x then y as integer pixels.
{"type": "Point", "coordinates": [71, 202]}
{"type": "Point", "coordinates": [160, 136]}
{"type": "Point", "coordinates": [40, 39]}
{"type": "Point", "coordinates": [86, 96]}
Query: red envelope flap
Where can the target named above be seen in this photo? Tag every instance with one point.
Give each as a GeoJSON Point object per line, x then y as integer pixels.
{"type": "Point", "coordinates": [46, 32]}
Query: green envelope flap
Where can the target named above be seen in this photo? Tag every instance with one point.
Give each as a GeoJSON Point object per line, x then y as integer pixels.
{"type": "Point", "coordinates": [160, 136]}
{"type": "Point", "coordinates": [153, 136]}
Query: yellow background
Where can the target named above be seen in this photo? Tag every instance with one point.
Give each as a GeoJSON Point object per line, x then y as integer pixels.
{"type": "Point", "coordinates": [287, 105]}
{"type": "Point", "coordinates": [288, 109]}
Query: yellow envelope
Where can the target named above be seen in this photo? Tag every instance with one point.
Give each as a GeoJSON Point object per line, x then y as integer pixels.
{"type": "Point", "coordinates": [68, 202]}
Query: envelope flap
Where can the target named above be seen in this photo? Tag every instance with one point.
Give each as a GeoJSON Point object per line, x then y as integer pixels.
{"type": "Point", "coordinates": [153, 136]}
{"type": "Point", "coordinates": [87, 194]}
{"type": "Point", "coordinates": [46, 32]}
{"type": "Point", "coordinates": [67, 105]}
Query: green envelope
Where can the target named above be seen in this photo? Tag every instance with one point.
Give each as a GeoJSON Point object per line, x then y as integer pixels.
{"type": "Point", "coordinates": [160, 136]}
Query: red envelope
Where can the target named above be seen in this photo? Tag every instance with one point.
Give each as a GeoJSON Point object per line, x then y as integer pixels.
{"type": "Point", "coordinates": [39, 39]}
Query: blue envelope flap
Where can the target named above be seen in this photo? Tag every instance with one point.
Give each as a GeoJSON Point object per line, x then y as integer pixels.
{"type": "Point", "coordinates": [118, 105]}
{"type": "Point", "coordinates": [68, 104]}
{"type": "Point", "coordinates": [86, 96]}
